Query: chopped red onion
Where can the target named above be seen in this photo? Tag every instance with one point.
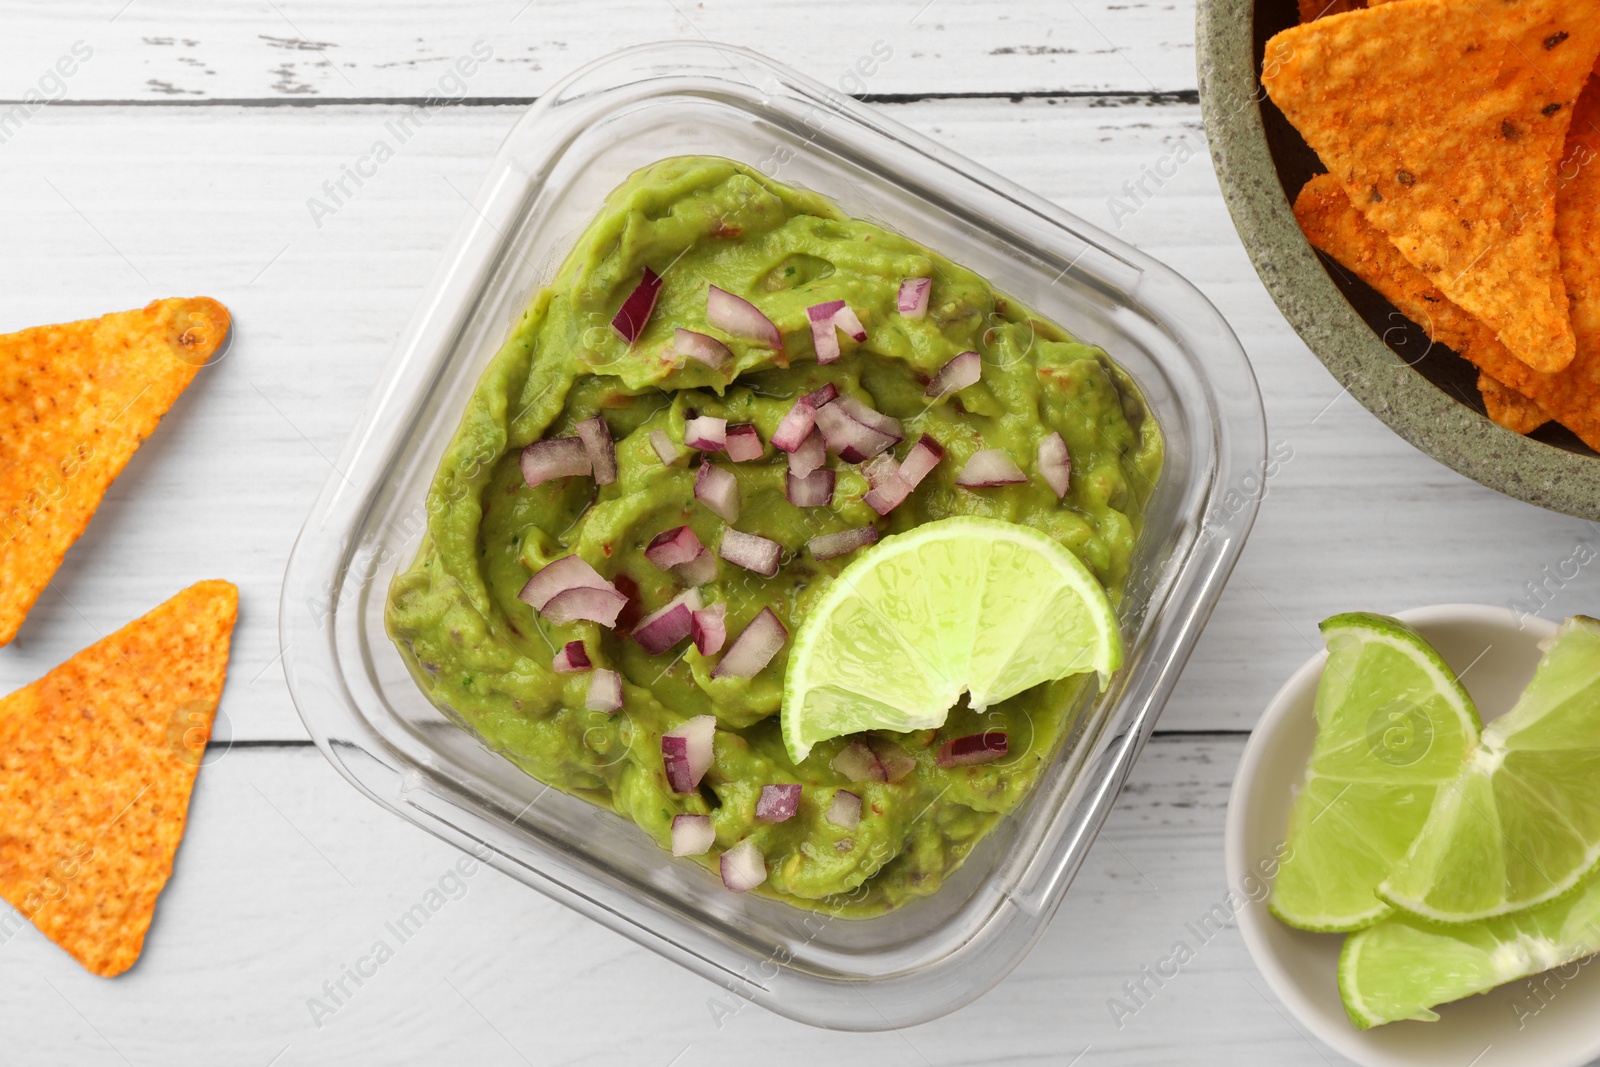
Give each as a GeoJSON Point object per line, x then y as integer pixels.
{"type": "Point", "coordinates": [822, 397]}
{"type": "Point", "coordinates": [829, 545]}
{"type": "Point", "coordinates": [741, 318]}
{"type": "Point", "coordinates": [888, 496]}
{"type": "Point", "coordinates": [992, 466]}
{"type": "Point", "coordinates": [673, 548]}
{"type": "Point", "coordinates": [596, 605]}
{"type": "Point", "coordinates": [706, 433]}
{"type": "Point", "coordinates": [557, 576]}
{"type": "Point", "coordinates": [635, 311]}
{"type": "Point", "coordinates": [755, 647]}
{"type": "Point", "coordinates": [960, 372]}
{"type": "Point", "coordinates": [668, 625]}
{"type": "Point", "coordinates": [795, 426]}
{"type": "Point", "coordinates": [692, 835]}
{"type": "Point", "coordinates": [702, 347]}
{"type": "Point", "coordinates": [602, 451]}
{"type": "Point", "coordinates": [709, 628]}
{"type": "Point", "coordinates": [778, 803]}
{"type": "Point", "coordinates": [687, 752]}
{"type": "Point", "coordinates": [871, 417]}
{"type": "Point", "coordinates": [744, 443]}
{"type": "Point", "coordinates": [743, 867]}
{"type": "Point", "coordinates": [1055, 464]}
{"type": "Point", "coordinates": [815, 490]}
{"type": "Point", "coordinates": [572, 658]}
{"type": "Point", "coordinates": [897, 763]}
{"type": "Point", "coordinates": [913, 297]}
{"type": "Point", "coordinates": [923, 457]}
{"type": "Point", "coordinates": [848, 439]}
{"type": "Point", "coordinates": [698, 571]}
{"type": "Point", "coordinates": [605, 692]}
{"type": "Point", "coordinates": [847, 320]}
{"type": "Point", "coordinates": [563, 457]}
{"type": "Point", "coordinates": [845, 810]}
{"type": "Point", "coordinates": [718, 490]}
{"type": "Point", "coordinates": [665, 449]}
{"type": "Point", "coordinates": [974, 748]}
{"type": "Point", "coordinates": [750, 551]}
{"type": "Point", "coordinates": [856, 762]}
{"type": "Point", "coordinates": [810, 456]}
{"type": "Point", "coordinates": [823, 336]}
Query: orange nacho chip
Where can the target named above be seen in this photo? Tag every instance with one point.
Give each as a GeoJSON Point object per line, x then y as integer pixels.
{"type": "Point", "coordinates": [97, 760]}
{"type": "Point", "coordinates": [1578, 217]}
{"type": "Point", "coordinates": [1510, 408]}
{"type": "Point", "coordinates": [1444, 120]}
{"type": "Point", "coordinates": [1333, 225]}
{"type": "Point", "coordinates": [76, 400]}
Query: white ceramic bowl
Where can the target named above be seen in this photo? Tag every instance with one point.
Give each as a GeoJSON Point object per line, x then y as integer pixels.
{"type": "Point", "coordinates": [1544, 1022]}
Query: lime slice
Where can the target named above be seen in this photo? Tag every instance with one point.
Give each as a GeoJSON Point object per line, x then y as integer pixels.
{"type": "Point", "coordinates": [1393, 726]}
{"type": "Point", "coordinates": [1403, 966]}
{"type": "Point", "coordinates": [962, 605]}
{"type": "Point", "coordinates": [1522, 823]}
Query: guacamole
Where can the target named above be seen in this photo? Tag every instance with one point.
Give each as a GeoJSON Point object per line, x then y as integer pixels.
{"type": "Point", "coordinates": [486, 657]}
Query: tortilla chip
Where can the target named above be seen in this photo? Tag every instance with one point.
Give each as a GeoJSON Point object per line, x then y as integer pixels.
{"type": "Point", "coordinates": [75, 402]}
{"type": "Point", "coordinates": [97, 761]}
{"type": "Point", "coordinates": [1444, 120]}
{"type": "Point", "coordinates": [1333, 225]}
{"type": "Point", "coordinates": [1578, 219]}
{"type": "Point", "coordinates": [1510, 408]}
{"type": "Point", "coordinates": [1311, 10]}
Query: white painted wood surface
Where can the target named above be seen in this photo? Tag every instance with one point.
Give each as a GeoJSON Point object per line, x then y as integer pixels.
{"type": "Point", "coordinates": [128, 191]}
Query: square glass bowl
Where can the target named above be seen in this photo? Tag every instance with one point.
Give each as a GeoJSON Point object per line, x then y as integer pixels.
{"type": "Point", "coordinates": [543, 187]}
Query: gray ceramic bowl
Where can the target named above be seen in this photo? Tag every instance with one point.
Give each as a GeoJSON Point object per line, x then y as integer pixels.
{"type": "Point", "coordinates": [1426, 393]}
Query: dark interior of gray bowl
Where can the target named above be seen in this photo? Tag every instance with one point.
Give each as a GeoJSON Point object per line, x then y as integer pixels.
{"type": "Point", "coordinates": [1296, 163]}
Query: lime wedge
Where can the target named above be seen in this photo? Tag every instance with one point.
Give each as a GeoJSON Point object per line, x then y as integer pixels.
{"type": "Point", "coordinates": [1521, 825]}
{"type": "Point", "coordinates": [962, 605]}
{"type": "Point", "coordinates": [1403, 966]}
{"type": "Point", "coordinates": [1393, 726]}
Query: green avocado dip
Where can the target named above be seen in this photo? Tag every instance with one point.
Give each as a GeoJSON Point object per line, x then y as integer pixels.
{"type": "Point", "coordinates": [486, 656]}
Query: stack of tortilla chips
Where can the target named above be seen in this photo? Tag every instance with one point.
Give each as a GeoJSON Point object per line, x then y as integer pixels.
{"type": "Point", "coordinates": [1462, 139]}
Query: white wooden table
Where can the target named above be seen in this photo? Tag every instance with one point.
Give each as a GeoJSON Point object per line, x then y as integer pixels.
{"type": "Point", "coordinates": [179, 160]}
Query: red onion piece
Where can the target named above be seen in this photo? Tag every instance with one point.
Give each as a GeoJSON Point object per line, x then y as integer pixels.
{"type": "Point", "coordinates": [810, 456]}
{"type": "Point", "coordinates": [823, 336]}
{"type": "Point", "coordinates": [815, 490]}
{"type": "Point", "coordinates": [960, 372]}
{"type": "Point", "coordinates": [856, 762]}
{"type": "Point", "coordinates": [687, 751]}
{"type": "Point", "coordinates": [673, 548]}
{"type": "Point", "coordinates": [750, 551]}
{"type": "Point", "coordinates": [754, 649]}
{"type": "Point", "coordinates": [880, 469]}
{"type": "Point", "coordinates": [974, 748]}
{"type": "Point", "coordinates": [718, 490]}
{"type": "Point", "coordinates": [635, 311]}
{"type": "Point", "coordinates": [558, 576]}
{"type": "Point", "coordinates": [709, 628]}
{"type": "Point", "coordinates": [1055, 464]}
{"type": "Point", "coordinates": [563, 457]}
{"type": "Point", "coordinates": [702, 347]}
{"type": "Point", "coordinates": [795, 426]}
{"type": "Point", "coordinates": [601, 450]}
{"type": "Point", "coordinates": [698, 571]}
{"type": "Point", "coordinates": [845, 810]}
{"type": "Point", "coordinates": [595, 605]}
{"type": "Point", "coordinates": [605, 692]}
{"type": "Point", "coordinates": [572, 658]}
{"type": "Point", "coordinates": [829, 545]}
{"type": "Point", "coordinates": [888, 496]}
{"type": "Point", "coordinates": [665, 627]}
{"type": "Point", "coordinates": [848, 439]}
{"type": "Point", "coordinates": [692, 835]}
{"type": "Point", "coordinates": [743, 867]}
{"type": "Point", "coordinates": [871, 417]}
{"type": "Point", "coordinates": [706, 433]}
{"type": "Point", "coordinates": [847, 320]}
{"type": "Point", "coordinates": [741, 318]}
{"type": "Point", "coordinates": [912, 299]}
{"type": "Point", "coordinates": [665, 449]}
{"type": "Point", "coordinates": [822, 397]}
{"type": "Point", "coordinates": [778, 803]}
{"type": "Point", "coordinates": [990, 467]}
{"type": "Point", "coordinates": [923, 457]}
{"type": "Point", "coordinates": [897, 763]}
{"type": "Point", "coordinates": [744, 443]}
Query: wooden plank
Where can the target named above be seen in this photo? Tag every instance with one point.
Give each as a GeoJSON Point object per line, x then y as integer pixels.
{"type": "Point", "coordinates": [288, 876]}
{"type": "Point", "coordinates": [294, 52]}
{"type": "Point", "coordinates": [213, 200]}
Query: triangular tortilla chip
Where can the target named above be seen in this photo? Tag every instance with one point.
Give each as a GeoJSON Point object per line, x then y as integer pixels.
{"type": "Point", "coordinates": [97, 760]}
{"type": "Point", "coordinates": [1578, 218]}
{"type": "Point", "coordinates": [75, 402]}
{"type": "Point", "coordinates": [1444, 121]}
{"type": "Point", "coordinates": [1333, 225]}
{"type": "Point", "coordinates": [1510, 408]}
